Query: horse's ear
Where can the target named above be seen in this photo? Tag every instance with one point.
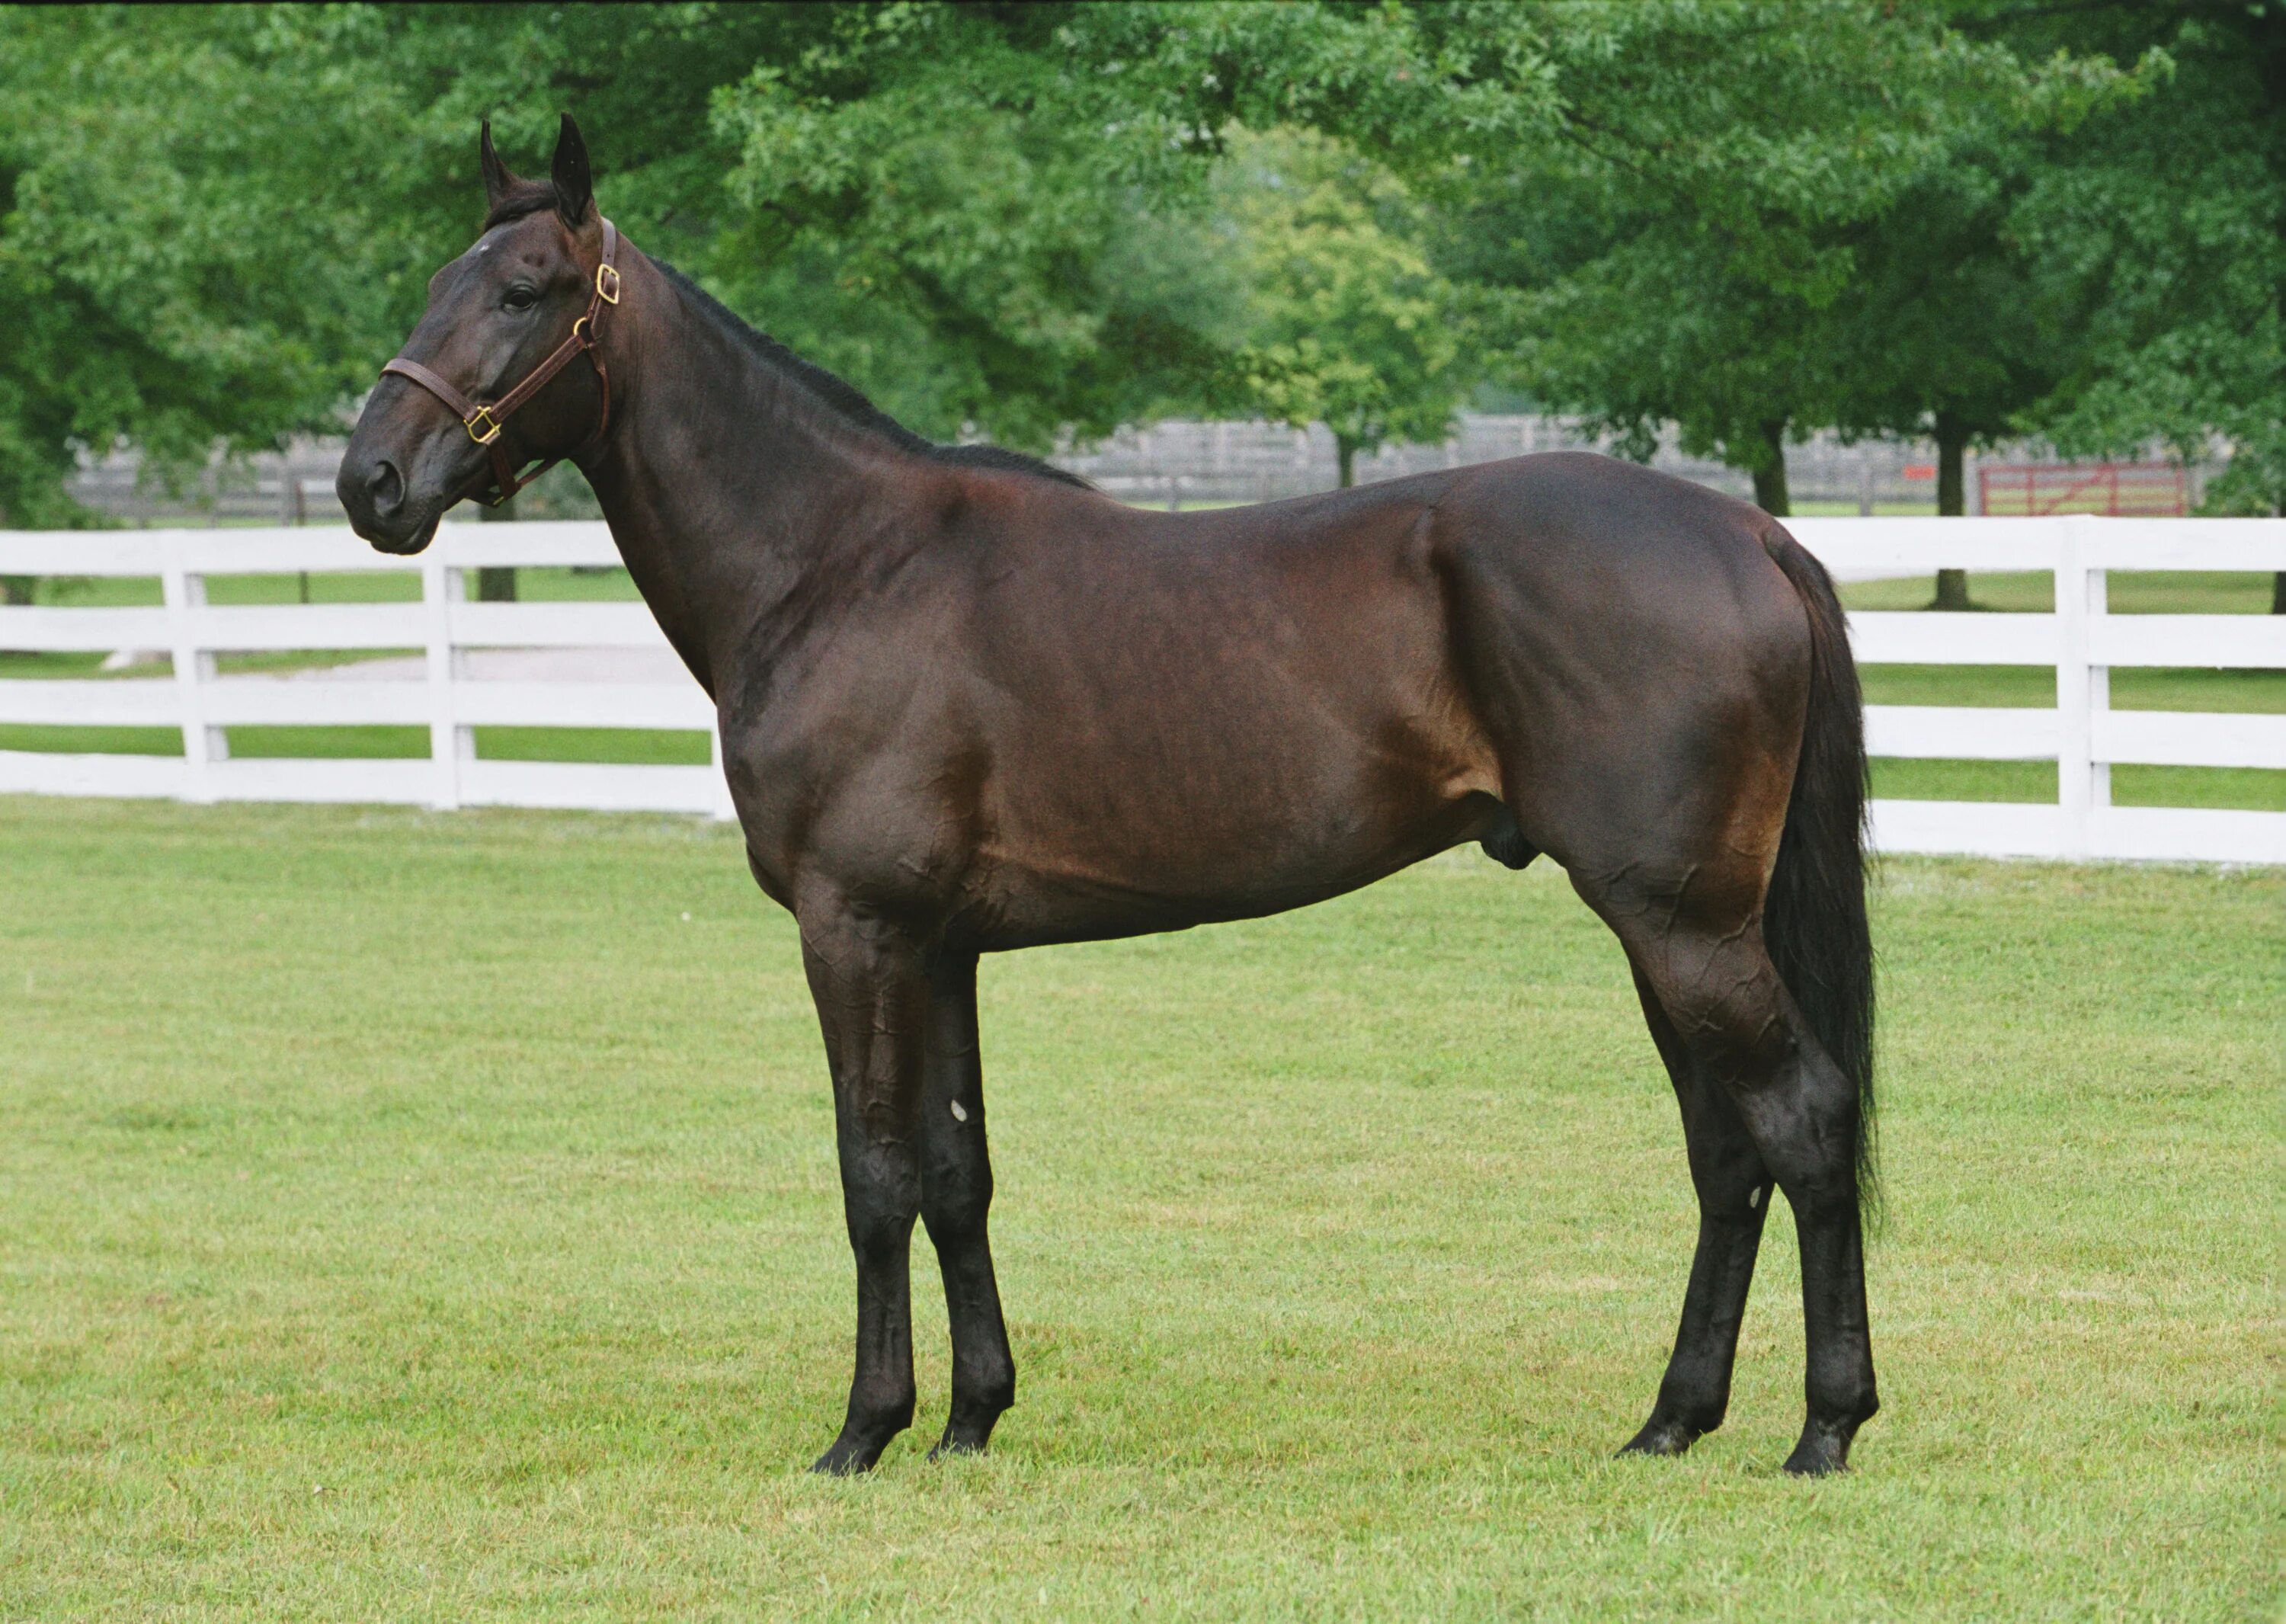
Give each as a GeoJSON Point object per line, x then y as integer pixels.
{"type": "Point", "coordinates": [497, 179]}
{"type": "Point", "coordinates": [575, 188]}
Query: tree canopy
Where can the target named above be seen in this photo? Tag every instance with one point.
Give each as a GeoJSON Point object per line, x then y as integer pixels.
{"type": "Point", "coordinates": [1345, 322]}
{"type": "Point", "coordinates": [1751, 220]}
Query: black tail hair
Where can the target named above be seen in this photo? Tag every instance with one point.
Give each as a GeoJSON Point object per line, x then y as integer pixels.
{"type": "Point", "coordinates": [1813, 919]}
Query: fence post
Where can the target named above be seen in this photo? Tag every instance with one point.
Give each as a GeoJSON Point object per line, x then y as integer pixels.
{"type": "Point", "coordinates": [441, 586]}
{"type": "Point", "coordinates": [2074, 704]}
{"type": "Point", "coordinates": [2099, 698]}
{"type": "Point", "coordinates": [185, 594]}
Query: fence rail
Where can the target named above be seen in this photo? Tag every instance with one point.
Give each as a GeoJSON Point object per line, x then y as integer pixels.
{"type": "Point", "coordinates": [2079, 638]}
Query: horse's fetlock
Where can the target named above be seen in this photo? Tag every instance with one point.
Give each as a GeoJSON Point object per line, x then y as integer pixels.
{"type": "Point", "coordinates": [883, 1414]}
{"type": "Point", "coordinates": [987, 1388]}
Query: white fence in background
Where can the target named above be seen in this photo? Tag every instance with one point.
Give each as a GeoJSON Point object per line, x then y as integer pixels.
{"type": "Point", "coordinates": [447, 625]}
{"type": "Point", "coordinates": [2084, 642]}
{"type": "Point", "coordinates": [2079, 639]}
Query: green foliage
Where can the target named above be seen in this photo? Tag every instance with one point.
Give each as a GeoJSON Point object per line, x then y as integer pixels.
{"type": "Point", "coordinates": [1347, 324]}
{"type": "Point", "coordinates": [152, 292]}
{"type": "Point", "coordinates": [222, 219]}
{"type": "Point", "coordinates": [1752, 219]}
{"type": "Point", "coordinates": [1761, 219]}
{"type": "Point", "coordinates": [2162, 234]}
{"type": "Point", "coordinates": [930, 200]}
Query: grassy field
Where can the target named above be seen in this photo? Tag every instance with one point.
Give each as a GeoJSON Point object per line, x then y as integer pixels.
{"type": "Point", "coordinates": [409, 1216]}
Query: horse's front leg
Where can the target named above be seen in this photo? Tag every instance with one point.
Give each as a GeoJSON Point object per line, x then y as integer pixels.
{"type": "Point", "coordinates": [956, 1194]}
{"type": "Point", "coordinates": [872, 990]}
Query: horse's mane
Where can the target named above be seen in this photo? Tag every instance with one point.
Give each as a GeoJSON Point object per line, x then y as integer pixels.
{"type": "Point", "coordinates": [528, 197]}
{"type": "Point", "coordinates": [850, 402]}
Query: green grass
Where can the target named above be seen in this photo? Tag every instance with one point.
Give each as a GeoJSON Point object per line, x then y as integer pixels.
{"type": "Point", "coordinates": [2253, 788]}
{"type": "Point", "coordinates": [2034, 687]}
{"type": "Point", "coordinates": [408, 1215]}
{"type": "Point", "coordinates": [1848, 509]}
{"type": "Point", "coordinates": [642, 747]}
{"type": "Point", "coordinates": [538, 585]}
{"type": "Point", "coordinates": [2139, 592]}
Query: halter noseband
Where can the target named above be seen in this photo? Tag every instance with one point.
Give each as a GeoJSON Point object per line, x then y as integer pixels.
{"type": "Point", "coordinates": [485, 423]}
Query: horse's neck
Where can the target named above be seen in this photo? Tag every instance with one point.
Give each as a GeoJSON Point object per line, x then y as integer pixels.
{"type": "Point", "coordinates": [723, 482]}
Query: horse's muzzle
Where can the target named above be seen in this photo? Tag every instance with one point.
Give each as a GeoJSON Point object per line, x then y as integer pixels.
{"type": "Point", "coordinates": [373, 492]}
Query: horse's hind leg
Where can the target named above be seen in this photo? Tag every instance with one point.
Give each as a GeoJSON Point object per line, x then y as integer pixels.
{"type": "Point", "coordinates": [1734, 1194]}
{"type": "Point", "coordinates": [956, 1193]}
{"type": "Point", "coordinates": [1695, 939]}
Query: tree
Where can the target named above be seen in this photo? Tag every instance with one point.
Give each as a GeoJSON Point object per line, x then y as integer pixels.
{"type": "Point", "coordinates": [1346, 323]}
{"type": "Point", "coordinates": [933, 202]}
{"type": "Point", "coordinates": [220, 220]}
{"type": "Point", "coordinates": [1694, 250]}
{"type": "Point", "coordinates": [148, 295]}
{"type": "Point", "coordinates": [998, 219]}
{"type": "Point", "coordinates": [1946, 331]}
{"type": "Point", "coordinates": [2163, 233]}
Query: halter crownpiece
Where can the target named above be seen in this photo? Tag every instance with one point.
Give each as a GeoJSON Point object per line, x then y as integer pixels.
{"type": "Point", "coordinates": [484, 423]}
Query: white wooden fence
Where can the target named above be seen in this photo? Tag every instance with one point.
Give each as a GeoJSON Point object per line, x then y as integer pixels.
{"type": "Point", "coordinates": [2082, 735]}
{"type": "Point", "coordinates": [446, 625]}
{"type": "Point", "coordinates": [2082, 642]}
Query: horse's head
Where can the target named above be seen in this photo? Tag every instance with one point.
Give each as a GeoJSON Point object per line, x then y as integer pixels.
{"type": "Point", "coordinates": [504, 320]}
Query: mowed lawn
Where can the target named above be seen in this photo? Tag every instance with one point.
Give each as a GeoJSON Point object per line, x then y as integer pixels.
{"type": "Point", "coordinates": [412, 1216]}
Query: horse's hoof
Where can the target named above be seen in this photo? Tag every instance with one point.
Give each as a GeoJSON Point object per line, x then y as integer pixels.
{"type": "Point", "coordinates": [1823, 1452]}
{"type": "Point", "coordinates": [847, 1458]}
{"type": "Point", "coordinates": [951, 1444]}
{"type": "Point", "coordinates": [1663, 1437]}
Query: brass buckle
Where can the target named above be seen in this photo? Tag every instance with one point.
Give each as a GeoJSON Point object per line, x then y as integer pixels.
{"type": "Point", "coordinates": [609, 293]}
{"type": "Point", "coordinates": [484, 413]}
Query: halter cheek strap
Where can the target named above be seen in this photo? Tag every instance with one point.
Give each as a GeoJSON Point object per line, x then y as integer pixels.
{"type": "Point", "coordinates": [484, 423]}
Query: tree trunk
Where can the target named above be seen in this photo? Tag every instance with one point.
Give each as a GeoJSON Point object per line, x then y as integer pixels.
{"type": "Point", "coordinates": [1346, 451]}
{"type": "Point", "coordinates": [15, 590]}
{"type": "Point", "coordinates": [497, 586]}
{"type": "Point", "coordinates": [1770, 475]}
{"type": "Point", "coordinates": [1952, 502]}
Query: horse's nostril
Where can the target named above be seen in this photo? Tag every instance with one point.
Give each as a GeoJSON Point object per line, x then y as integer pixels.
{"type": "Point", "coordinates": [386, 487]}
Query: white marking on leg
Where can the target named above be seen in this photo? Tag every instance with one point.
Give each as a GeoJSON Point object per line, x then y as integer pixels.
{"type": "Point", "coordinates": [957, 1114]}
{"type": "Point", "coordinates": [1754, 1198]}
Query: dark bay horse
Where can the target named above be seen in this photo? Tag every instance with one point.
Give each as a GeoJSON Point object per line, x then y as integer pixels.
{"type": "Point", "coordinates": [969, 704]}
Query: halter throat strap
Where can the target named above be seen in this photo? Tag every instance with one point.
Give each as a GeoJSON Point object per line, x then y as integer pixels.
{"type": "Point", "coordinates": [485, 421]}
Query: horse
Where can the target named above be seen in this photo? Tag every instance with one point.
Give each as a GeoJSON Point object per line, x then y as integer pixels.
{"type": "Point", "coordinates": [969, 703]}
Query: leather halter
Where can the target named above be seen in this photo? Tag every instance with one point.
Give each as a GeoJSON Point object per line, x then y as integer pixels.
{"type": "Point", "coordinates": [485, 423]}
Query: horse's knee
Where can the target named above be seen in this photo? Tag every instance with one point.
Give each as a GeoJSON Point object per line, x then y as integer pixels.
{"type": "Point", "coordinates": [955, 1220]}
{"type": "Point", "coordinates": [956, 1194]}
{"type": "Point", "coordinates": [880, 1196]}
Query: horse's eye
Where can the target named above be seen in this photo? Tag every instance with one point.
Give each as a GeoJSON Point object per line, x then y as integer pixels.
{"type": "Point", "coordinates": [519, 298]}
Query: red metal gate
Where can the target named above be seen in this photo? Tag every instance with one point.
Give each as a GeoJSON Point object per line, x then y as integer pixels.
{"type": "Point", "coordinates": [2123, 489]}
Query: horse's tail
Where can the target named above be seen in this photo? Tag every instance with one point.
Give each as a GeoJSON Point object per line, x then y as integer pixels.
{"type": "Point", "coordinates": [1813, 919]}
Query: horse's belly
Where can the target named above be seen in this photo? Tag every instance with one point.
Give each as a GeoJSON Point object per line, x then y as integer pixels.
{"type": "Point", "coordinates": [1123, 853]}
